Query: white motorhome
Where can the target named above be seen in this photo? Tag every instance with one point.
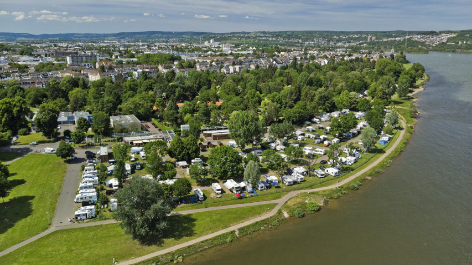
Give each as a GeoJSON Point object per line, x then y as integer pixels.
{"type": "Point", "coordinates": [333, 171]}
{"type": "Point", "coordinates": [136, 149]}
{"type": "Point", "coordinates": [49, 150]}
{"type": "Point", "coordinates": [112, 183]}
{"type": "Point", "coordinates": [181, 164]}
{"type": "Point", "coordinates": [307, 148]}
{"type": "Point", "coordinates": [280, 148]}
{"type": "Point", "coordinates": [315, 120]}
{"type": "Point", "coordinates": [336, 141]}
{"type": "Point", "coordinates": [142, 155]}
{"type": "Point", "coordinates": [326, 143]}
{"type": "Point", "coordinates": [261, 185]}
{"type": "Point", "coordinates": [272, 180]}
{"type": "Point", "coordinates": [85, 186]}
{"type": "Point", "coordinates": [89, 175]}
{"type": "Point", "coordinates": [232, 144]}
{"type": "Point", "coordinates": [273, 146]}
{"type": "Point", "coordinates": [301, 138]}
{"type": "Point", "coordinates": [113, 205]}
{"type": "Point", "coordinates": [300, 170]}
{"type": "Point", "coordinates": [86, 191]}
{"type": "Point", "coordinates": [287, 180]}
{"type": "Point", "coordinates": [128, 168]}
{"type": "Point", "coordinates": [319, 151]}
{"type": "Point", "coordinates": [216, 188]}
{"type": "Point", "coordinates": [85, 197]}
{"type": "Point", "coordinates": [93, 180]}
{"type": "Point", "coordinates": [233, 186]}
{"type": "Point", "coordinates": [324, 137]}
{"type": "Point", "coordinates": [88, 169]}
{"type": "Point", "coordinates": [85, 212]}
{"type": "Point", "coordinates": [319, 173]}
{"type": "Point", "coordinates": [199, 194]}
{"type": "Point", "coordinates": [197, 161]}
{"type": "Point", "coordinates": [257, 152]}
{"type": "Point", "coordinates": [298, 177]}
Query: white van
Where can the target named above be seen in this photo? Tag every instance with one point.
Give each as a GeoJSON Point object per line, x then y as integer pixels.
{"type": "Point", "coordinates": [333, 171]}
{"type": "Point", "coordinates": [86, 191]}
{"type": "Point", "coordinates": [301, 138]}
{"type": "Point", "coordinates": [257, 152]}
{"type": "Point", "coordinates": [85, 197]}
{"type": "Point", "coordinates": [216, 188]}
{"type": "Point", "coordinates": [142, 155]}
{"type": "Point", "coordinates": [49, 150]}
{"type": "Point", "coordinates": [319, 173]}
{"type": "Point", "coordinates": [287, 180]}
{"type": "Point", "coordinates": [93, 180]}
{"type": "Point", "coordinates": [319, 151]}
{"type": "Point", "coordinates": [89, 168]}
{"type": "Point", "coordinates": [85, 186]}
{"type": "Point", "coordinates": [199, 194]}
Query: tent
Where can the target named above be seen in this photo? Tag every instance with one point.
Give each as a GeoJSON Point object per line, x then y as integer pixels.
{"type": "Point", "coordinates": [383, 142]}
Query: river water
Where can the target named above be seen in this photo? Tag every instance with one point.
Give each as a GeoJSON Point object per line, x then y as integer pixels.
{"type": "Point", "coordinates": [419, 211]}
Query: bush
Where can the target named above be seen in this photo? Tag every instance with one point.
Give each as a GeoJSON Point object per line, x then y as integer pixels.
{"type": "Point", "coordinates": [353, 186]}
{"type": "Point", "coordinates": [312, 207]}
{"type": "Point", "coordinates": [299, 213]}
{"type": "Point", "coordinates": [82, 168]}
{"type": "Point", "coordinates": [23, 131]}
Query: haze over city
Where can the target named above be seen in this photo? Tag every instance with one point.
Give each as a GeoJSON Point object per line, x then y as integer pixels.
{"type": "Point", "coordinates": [52, 16]}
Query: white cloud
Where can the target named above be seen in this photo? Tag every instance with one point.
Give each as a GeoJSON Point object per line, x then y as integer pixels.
{"type": "Point", "coordinates": [126, 21]}
{"type": "Point", "coordinates": [84, 19]}
{"type": "Point", "coordinates": [183, 14]}
{"type": "Point", "coordinates": [51, 18]}
{"type": "Point", "coordinates": [132, 20]}
{"type": "Point", "coordinates": [65, 13]}
{"type": "Point", "coordinates": [4, 13]}
{"type": "Point", "coordinates": [203, 16]}
{"type": "Point", "coordinates": [248, 17]}
{"type": "Point", "coordinates": [19, 15]}
{"type": "Point", "coordinates": [146, 14]}
{"type": "Point", "coordinates": [160, 15]}
{"type": "Point", "coordinates": [223, 16]}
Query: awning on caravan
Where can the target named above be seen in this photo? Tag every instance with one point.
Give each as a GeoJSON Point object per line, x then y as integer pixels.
{"type": "Point", "coordinates": [137, 142]}
{"type": "Point", "coordinates": [145, 141]}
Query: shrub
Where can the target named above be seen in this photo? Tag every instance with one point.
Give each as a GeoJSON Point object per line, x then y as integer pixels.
{"type": "Point", "coordinates": [82, 168]}
{"type": "Point", "coordinates": [312, 207]}
{"type": "Point", "coordinates": [353, 186]}
{"type": "Point", "coordinates": [299, 213]}
{"type": "Point", "coordinates": [23, 131]}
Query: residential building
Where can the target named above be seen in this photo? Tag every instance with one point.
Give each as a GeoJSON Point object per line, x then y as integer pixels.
{"type": "Point", "coordinates": [127, 121]}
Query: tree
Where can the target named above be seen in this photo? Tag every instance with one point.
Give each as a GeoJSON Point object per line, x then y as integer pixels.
{"type": "Point", "coordinates": [5, 186]}
{"type": "Point", "coordinates": [101, 123]}
{"type": "Point", "coordinates": [142, 209]}
{"type": "Point", "coordinates": [392, 117]}
{"type": "Point", "coordinates": [13, 112]}
{"type": "Point", "coordinates": [78, 137]}
{"type": "Point", "coordinates": [377, 124]}
{"type": "Point", "coordinates": [245, 128]}
{"type": "Point", "coordinates": [333, 152]}
{"type": "Point", "coordinates": [252, 173]}
{"type": "Point", "coordinates": [119, 172]}
{"type": "Point", "coordinates": [272, 159]}
{"type": "Point", "coordinates": [102, 173]}
{"type": "Point", "coordinates": [403, 86]}
{"type": "Point", "coordinates": [192, 150]}
{"type": "Point", "coordinates": [225, 162]}
{"type": "Point", "coordinates": [83, 124]}
{"type": "Point", "coordinates": [64, 150]}
{"type": "Point", "coordinates": [158, 146]}
{"type": "Point", "coordinates": [198, 172]}
{"type": "Point", "coordinates": [139, 105]}
{"type": "Point", "coordinates": [293, 153]}
{"type": "Point", "coordinates": [281, 130]}
{"type": "Point", "coordinates": [177, 148]}
{"type": "Point", "coordinates": [77, 99]}
{"type": "Point", "coordinates": [251, 157]}
{"type": "Point", "coordinates": [46, 119]}
{"type": "Point", "coordinates": [343, 125]}
{"type": "Point", "coordinates": [154, 164]}
{"type": "Point", "coordinates": [194, 129]}
{"type": "Point", "coordinates": [169, 171]}
{"type": "Point", "coordinates": [67, 133]}
{"type": "Point", "coordinates": [364, 104]}
{"type": "Point", "coordinates": [120, 151]}
{"type": "Point", "coordinates": [204, 113]}
{"type": "Point", "coordinates": [182, 187]}
{"type": "Point", "coordinates": [368, 138]}
{"type": "Point", "coordinates": [343, 101]}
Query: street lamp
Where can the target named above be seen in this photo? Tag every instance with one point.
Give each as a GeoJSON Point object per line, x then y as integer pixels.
{"type": "Point", "coordinates": [48, 216]}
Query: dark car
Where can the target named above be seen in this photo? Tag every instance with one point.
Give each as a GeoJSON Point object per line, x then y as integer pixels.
{"type": "Point", "coordinates": [88, 152]}
{"type": "Point", "coordinates": [322, 167]}
{"type": "Point", "coordinates": [138, 166]}
{"type": "Point", "coordinates": [111, 161]}
{"type": "Point", "coordinates": [323, 162]}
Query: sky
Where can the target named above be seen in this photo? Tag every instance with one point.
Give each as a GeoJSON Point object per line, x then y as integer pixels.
{"type": "Point", "coordinates": [112, 16]}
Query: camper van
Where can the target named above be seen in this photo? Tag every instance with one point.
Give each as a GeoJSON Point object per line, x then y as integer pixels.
{"type": "Point", "coordinates": [272, 180]}
{"type": "Point", "coordinates": [300, 171]}
{"type": "Point", "coordinates": [92, 174]}
{"type": "Point", "coordinates": [257, 152]}
{"type": "Point", "coordinates": [301, 138]}
{"type": "Point", "coordinates": [88, 169]}
{"type": "Point", "coordinates": [49, 150]}
{"type": "Point", "coordinates": [287, 180]}
{"type": "Point", "coordinates": [197, 161]}
{"type": "Point", "coordinates": [336, 141]}
{"type": "Point", "coordinates": [333, 171]}
{"type": "Point", "coordinates": [232, 144]}
{"type": "Point", "coordinates": [87, 191]}
{"type": "Point", "coordinates": [216, 188]}
{"type": "Point", "coordinates": [113, 205]}
{"type": "Point", "coordinates": [326, 143]}
{"type": "Point", "coordinates": [136, 150]}
{"type": "Point", "coordinates": [142, 155]}
{"type": "Point", "coordinates": [85, 212]}
{"type": "Point", "coordinates": [199, 194]}
{"type": "Point", "coordinates": [128, 168]}
{"type": "Point", "coordinates": [319, 173]}
{"type": "Point", "coordinates": [233, 186]}
{"type": "Point", "coordinates": [93, 180]}
{"type": "Point", "coordinates": [298, 177]}
{"type": "Point", "coordinates": [280, 148]}
{"type": "Point", "coordinates": [261, 185]}
{"type": "Point", "coordinates": [319, 151]}
{"type": "Point", "coordinates": [86, 197]}
{"type": "Point", "coordinates": [85, 186]}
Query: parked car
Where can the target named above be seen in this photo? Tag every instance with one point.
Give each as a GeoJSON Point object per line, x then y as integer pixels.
{"type": "Point", "coordinates": [88, 152]}
{"type": "Point", "coordinates": [33, 143]}
{"type": "Point", "coordinates": [72, 157]}
{"type": "Point", "coordinates": [58, 127]}
{"type": "Point", "coordinates": [138, 166]}
{"type": "Point", "coordinates": [323, 161]}
{"type": "Point", "coordinates": [322, 167]}
{"type": "Point", "coordinates": [111, 161]}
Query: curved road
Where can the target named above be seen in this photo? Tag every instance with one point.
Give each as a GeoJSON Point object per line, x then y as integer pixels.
{"type": "Point", "coordinates": [279, 202]}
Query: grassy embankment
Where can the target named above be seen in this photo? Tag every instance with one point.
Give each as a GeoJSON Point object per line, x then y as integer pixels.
{"type": "Point", "coordinates": [8, 156]}
{"type": "Point", "coordinates": [33, 137]}
{"type": "Point", "coordinates": [105, 242]}
{"type": "Point", "coordinates": [34, 193]}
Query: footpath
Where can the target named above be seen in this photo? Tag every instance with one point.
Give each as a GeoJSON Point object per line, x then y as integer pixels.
{"type": "Point", "coordinates": [280, 202]}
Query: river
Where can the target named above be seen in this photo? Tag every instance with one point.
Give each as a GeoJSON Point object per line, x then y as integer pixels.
{"type": "Point", "coordinates": [419, 211]}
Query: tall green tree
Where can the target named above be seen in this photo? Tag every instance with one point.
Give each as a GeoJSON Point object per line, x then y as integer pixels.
{"type": "Point", "coordinates": [204, 113]}
{"type": "Point", "coordinates": [120, 151]}
{"type": "Point", "coordinates": [83, 124]}
{"type": "Point", "coordinates": [192, 150]}
{"type": "Point", "coordinates": [392, 117]}
{"type": "Point", "coordinates": [78, 137]}
{"type": "Point", "coordinates": [225, 162]}
{"type": "Point", "coordinates": [158, 146]}
{"type": "Point", "coordinates": [169, 171]}
{"type": "Point", "coordinates": [293, 153]}
{"type": "Point", "coordinates": [46, 119]}
{"type": "Point", "coordinates": [64, 150]}
{"type": "Point", "coordinates": [342, 125]}
{"type": "Point", "coordinates": [101, 123]}
{"type": "Point", "coordinates": [13, 112]}
{"type": "Point", "coordinates": [119, 172]}
{"type": "Point", "coordinates": [177, 148]}
{"type": "Point", "coordinates": [182, 187]}
{"type": "Point", "coordinates": [245, 128]}
{"type": "Point", "coordinates": [154, 164]}
{"type": "Point", "coordinates": [272, 159]}
{"type": "Point", "coordinates": [252, 173]}
{"type": "Point", "coordinates": [281, 130]}
{"type": "Point", "coordinates": [198, 172]}
{"type": "Point", "coordinates": [5, 186]}
{"type": "Point", "coordinates": [368, 138]}
{"type": "Point", "coordinates": [142, 209]}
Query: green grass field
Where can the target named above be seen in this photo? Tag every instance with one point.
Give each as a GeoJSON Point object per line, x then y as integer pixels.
{"type": "Point", "coordinates": [161, 126]}
{"type": "Point", "coordinates": [33, 137]}
{"type": "Point", "coordinates": [34, 193]}
{"type": "Point", "coordinates": [103, 243]}
{"type": "Point", "coordinates": [7, 156]}
{"type": "Point", "coordinates": [407, 66]}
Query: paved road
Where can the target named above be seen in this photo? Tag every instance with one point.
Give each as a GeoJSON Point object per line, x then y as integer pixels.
{"type": "Point", "coordinates": [279, 202]}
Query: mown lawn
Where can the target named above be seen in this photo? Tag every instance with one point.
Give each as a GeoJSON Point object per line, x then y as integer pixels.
{"type": "Point", "coordinates": [100, 244]}
{"type": "Point", "coordinates": [7, 156]}
{"type": "Point", "coordinates": [33, 137]}
{"type": "Point", "coordinates": [34, 193]}
{"type": "Point", "coordinates": [161, 126]}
